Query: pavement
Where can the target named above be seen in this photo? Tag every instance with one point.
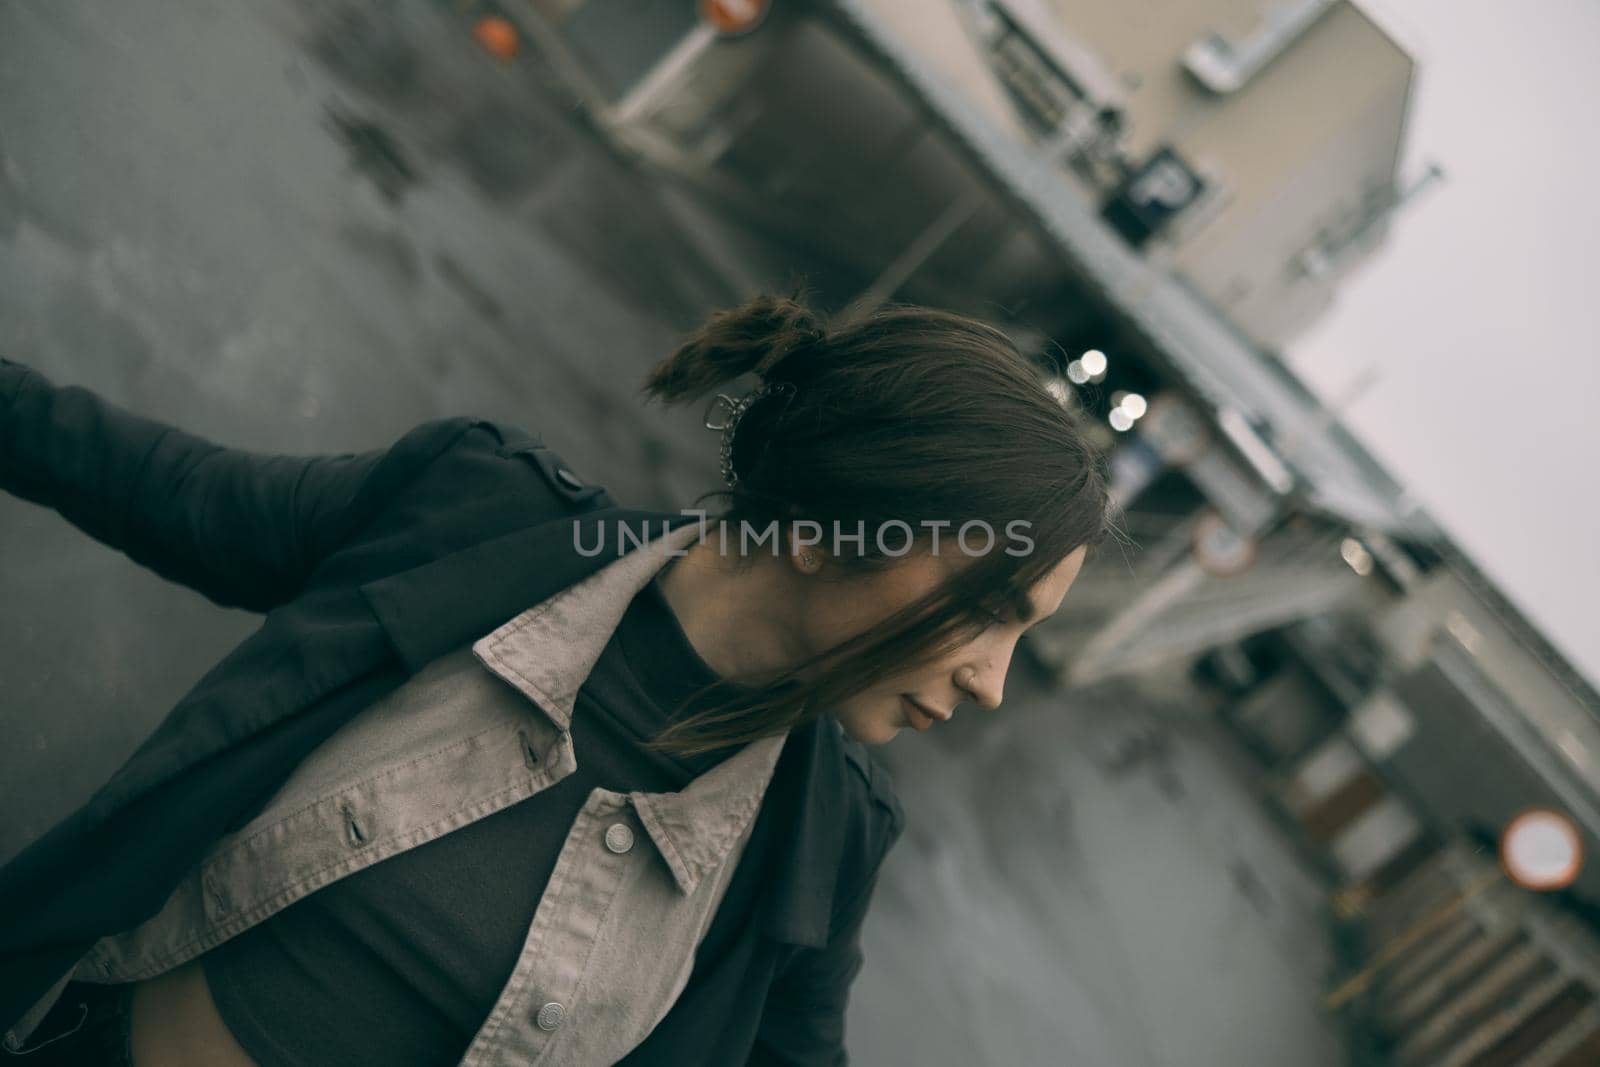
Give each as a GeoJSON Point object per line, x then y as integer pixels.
{"type": "Point", "coordinates": [305, 227]}
{"type": "Point", "coordinates": [1086, 879]}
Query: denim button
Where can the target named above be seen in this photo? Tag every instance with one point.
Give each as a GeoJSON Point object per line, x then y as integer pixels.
{"type": "Point", "coordinates": [549, 1016]}
{"type": "Point", "coordinates": [619, 837]}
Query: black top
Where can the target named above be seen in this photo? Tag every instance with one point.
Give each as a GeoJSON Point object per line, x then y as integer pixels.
{"type": "Point", "coordinates": [401, 962]}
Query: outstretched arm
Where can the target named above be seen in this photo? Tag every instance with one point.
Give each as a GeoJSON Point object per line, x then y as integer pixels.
{"type": "Point", "coordinates": [242, 528]}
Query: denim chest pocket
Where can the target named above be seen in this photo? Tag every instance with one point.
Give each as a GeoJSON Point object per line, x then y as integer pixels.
{"type": "Point", "coordinates": [295, 848]}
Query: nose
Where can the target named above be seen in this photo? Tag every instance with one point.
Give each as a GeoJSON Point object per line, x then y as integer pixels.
{"type": "Point", "coordinates": [986, 688]}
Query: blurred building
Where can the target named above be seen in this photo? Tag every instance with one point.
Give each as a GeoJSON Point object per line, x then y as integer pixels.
{"type": "Point", "coordinates": [1401, 712]}
{"type": "Point", "coordinates": [1253, 149]}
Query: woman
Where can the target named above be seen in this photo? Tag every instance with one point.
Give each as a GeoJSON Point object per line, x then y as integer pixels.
{"type": "Point", "coordinates": [512, 773]}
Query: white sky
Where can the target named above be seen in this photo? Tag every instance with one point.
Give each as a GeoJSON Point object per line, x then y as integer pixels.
{"type": "Point", "coordinates": [1483, 312]}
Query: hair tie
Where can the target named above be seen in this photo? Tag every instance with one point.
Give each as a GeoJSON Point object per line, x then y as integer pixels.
{"type": "Point", "coordinates": [732, 411]}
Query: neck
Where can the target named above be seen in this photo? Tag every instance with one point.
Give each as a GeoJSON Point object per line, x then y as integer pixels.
{"type": "Point", "coordinates": [736, 618]}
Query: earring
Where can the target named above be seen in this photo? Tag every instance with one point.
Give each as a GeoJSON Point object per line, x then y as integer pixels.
{"type": "Point", "coordinates": [807, 558]}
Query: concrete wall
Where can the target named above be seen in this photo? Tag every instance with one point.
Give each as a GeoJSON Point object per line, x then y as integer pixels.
{"type": "Point", "coordinates": [1297, 147]}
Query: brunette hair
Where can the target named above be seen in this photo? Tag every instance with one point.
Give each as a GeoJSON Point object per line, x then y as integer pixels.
{"type": "Point", "coordinates": [911, 414]}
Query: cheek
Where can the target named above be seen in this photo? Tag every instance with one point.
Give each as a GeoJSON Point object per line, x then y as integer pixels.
{"type": "Point", "coordinates": [829, 623]}
{"type": "Point", "coordinates": [848, 608]}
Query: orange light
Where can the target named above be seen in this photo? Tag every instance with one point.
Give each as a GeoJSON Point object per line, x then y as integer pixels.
{"type": "Point", "coordinates": [732, 17]}
{"type": "Point", "coordinates": [1541, 849]}
{"type": "Point", "coordinates": [498, 37]}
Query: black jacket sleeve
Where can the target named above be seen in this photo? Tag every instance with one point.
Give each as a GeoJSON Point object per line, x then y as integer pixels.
{"type": "Point", "coordinates": [802, 1022]}
{"type": "Point", "coordinates": [243, 529]}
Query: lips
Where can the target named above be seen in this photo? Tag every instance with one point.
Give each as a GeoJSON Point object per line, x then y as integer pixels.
{"type": "Point", "coordinates": [919, 715]}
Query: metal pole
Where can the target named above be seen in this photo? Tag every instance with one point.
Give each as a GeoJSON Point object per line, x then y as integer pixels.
{"type": "Point", "coordinates": [651, 90]}
{"type": "Point", "coordinates": [915, 255]}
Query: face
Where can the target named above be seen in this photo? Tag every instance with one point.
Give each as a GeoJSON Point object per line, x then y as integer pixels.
{"type": "Point", "coordinates": [924, 695]}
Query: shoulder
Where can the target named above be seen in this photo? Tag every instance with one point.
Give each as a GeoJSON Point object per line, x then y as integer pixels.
{"type": "Point", "coordinates": [461, 447]}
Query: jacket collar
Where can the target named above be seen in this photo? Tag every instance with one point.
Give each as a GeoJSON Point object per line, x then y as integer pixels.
{"type": "Point", "coordinates": [548, 651]}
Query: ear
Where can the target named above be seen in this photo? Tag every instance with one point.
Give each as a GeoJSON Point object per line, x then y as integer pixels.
{"type": "Point", "coordinates": [804, 554]}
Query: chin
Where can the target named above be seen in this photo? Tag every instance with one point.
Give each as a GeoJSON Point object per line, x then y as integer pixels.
{"type": "Point", "coordinates": [870, 733]}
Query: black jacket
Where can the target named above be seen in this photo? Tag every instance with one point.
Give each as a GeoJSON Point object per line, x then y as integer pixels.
{"type": "Point", "coordinates": [367, 567]}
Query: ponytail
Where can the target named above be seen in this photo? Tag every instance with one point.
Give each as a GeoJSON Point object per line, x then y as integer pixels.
{"type": "Point", "coordinates": [750, 339]}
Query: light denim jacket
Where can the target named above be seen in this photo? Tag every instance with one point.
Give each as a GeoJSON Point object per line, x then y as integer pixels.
{"type": "Point", "coordinates": [636, 885]}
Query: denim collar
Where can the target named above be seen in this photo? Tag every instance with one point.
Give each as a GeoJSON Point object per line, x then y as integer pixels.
{"type": "Point", "coordinates": [547, 652]}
